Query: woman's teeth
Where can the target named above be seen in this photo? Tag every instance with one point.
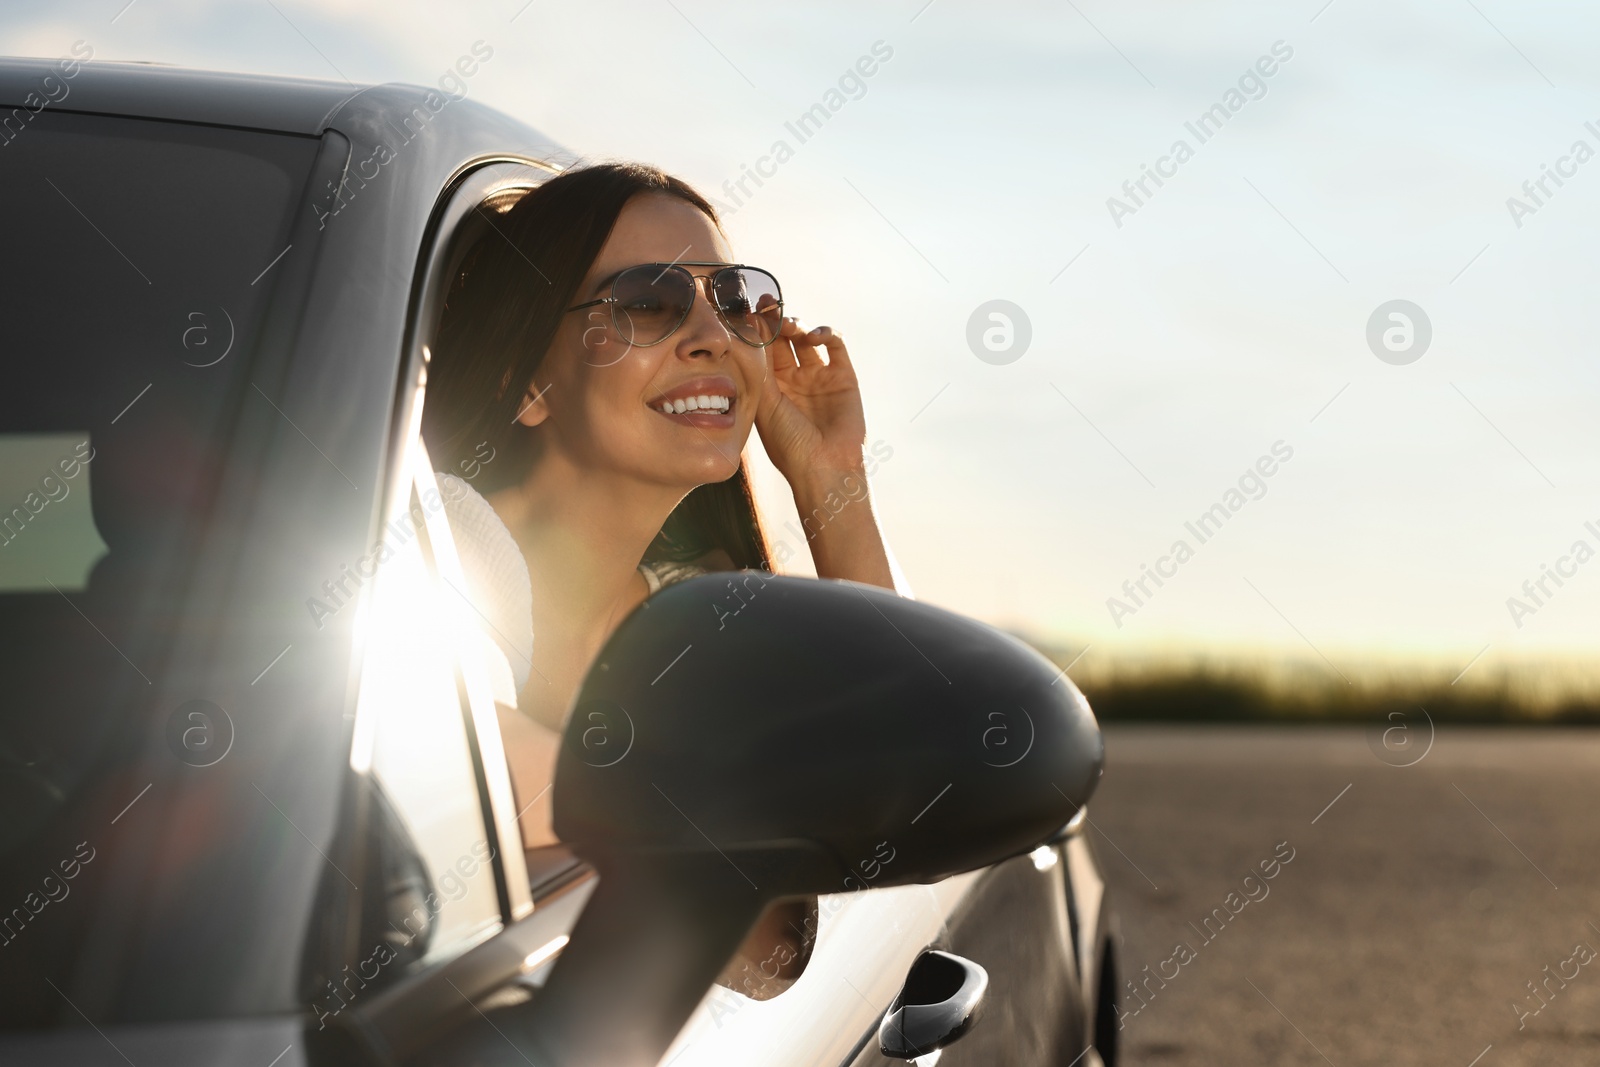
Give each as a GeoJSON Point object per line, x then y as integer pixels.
{"type": "Point", "coordinates": [715, 404]}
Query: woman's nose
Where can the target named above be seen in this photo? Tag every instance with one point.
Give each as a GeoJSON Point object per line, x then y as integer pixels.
{"type": "Point", "coordinates": [705, 333]}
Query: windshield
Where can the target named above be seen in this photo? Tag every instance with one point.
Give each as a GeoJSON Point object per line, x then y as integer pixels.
{"type": "Point", "coordinates": [135, 272]}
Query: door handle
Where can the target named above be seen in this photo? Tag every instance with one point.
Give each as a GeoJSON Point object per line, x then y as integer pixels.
{"type": "Point", "coordinates": [938, 1003]}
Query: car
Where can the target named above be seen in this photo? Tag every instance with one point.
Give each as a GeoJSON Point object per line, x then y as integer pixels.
{"type": "Point", "coordinates": [254, 804]}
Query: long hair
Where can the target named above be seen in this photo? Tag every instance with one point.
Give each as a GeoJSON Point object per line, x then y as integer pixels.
{"type": "Point", "coordinates": [500, 316]}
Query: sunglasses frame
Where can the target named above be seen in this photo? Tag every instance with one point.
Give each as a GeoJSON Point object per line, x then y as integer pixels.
{"type": "Point", "coordinates": [694, 284]}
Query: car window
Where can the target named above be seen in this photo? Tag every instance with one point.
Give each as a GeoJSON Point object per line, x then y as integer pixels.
{"type": "Point", "coordinates": [134, 291]}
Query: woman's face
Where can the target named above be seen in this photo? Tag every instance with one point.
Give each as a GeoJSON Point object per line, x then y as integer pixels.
{"type": "Point", "coordinates": [600, 399]}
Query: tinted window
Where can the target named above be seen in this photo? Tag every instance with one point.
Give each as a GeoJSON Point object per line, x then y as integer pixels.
{"type": "Point", "coordinates": [137, 264]}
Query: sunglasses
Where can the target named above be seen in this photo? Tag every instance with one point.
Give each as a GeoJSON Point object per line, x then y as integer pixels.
{"type": "Point", "coordinates": [650, 301]}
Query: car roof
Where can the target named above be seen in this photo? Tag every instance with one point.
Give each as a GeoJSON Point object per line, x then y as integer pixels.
{"type": "Point", "coordinates": [181, 94]}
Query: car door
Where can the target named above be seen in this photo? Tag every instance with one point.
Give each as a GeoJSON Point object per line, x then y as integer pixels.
{"type": "Point", "coordinates": [436, 812]}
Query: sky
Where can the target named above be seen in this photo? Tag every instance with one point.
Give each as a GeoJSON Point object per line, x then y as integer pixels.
{"type": "Point", "coordinates": [1182, 338]}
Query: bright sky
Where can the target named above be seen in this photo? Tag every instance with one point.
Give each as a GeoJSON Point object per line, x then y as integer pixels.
{"type": "Point", "coordinates": [1228, 312]}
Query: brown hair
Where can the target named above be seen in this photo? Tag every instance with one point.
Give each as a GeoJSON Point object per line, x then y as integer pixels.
{"type": "Point", "coordinates": [500, 316]}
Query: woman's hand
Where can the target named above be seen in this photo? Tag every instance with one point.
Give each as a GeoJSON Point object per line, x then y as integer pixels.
{"type": "Point", "coordinates": [813, 428]}
{"type": "Point", "coordinates": [812, 422]}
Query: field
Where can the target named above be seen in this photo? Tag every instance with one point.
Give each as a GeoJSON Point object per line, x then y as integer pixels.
{"type": "Point", "coordinates": [1195, 689]}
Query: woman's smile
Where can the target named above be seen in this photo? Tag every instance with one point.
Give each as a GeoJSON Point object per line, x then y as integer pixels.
{"type": "Point", "coordinates": [705, 402]}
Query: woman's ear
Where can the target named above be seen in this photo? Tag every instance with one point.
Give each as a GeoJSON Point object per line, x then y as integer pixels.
{"type": "Point", "coordinates": [533, 409]}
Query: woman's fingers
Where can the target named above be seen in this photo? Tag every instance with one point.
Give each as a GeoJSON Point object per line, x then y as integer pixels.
{"type": "Point", "coordinates": [808, 344]}
{"type": "Point", "coordinates": [804, 342]}
{"type": "Point", "coordinates": [838, 355]}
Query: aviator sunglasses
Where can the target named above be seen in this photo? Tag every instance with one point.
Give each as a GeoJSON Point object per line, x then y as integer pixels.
{"type": "Point", "coordinates": [651, 300]}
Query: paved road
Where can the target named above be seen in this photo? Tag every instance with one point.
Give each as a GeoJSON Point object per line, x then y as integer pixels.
{"type": "Point", "coordinates": [1409, 921]}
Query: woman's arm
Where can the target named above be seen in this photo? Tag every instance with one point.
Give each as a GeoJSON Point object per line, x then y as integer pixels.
{"type": "Point", "coordinates": [814, 429]}
{"type": "Point", "coordinates": [531, 751]}
{"type": "Point", "coordinates": [841, 527]}
{"type": "Point", "coordinates": [775, 952]}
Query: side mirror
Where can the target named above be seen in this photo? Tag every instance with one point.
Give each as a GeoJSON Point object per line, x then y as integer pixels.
{"type": "Point", "coordinates": [744, 738]}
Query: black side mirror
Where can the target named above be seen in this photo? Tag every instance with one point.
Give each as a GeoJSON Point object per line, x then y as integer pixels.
{"type": "Point", "coordinates": [746, 738]}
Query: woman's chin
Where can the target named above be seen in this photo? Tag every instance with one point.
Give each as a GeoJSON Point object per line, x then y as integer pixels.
{"type": "Point", "coordinates": [713, 468]}
{"type": "Point", "coordinates": [701, 457]}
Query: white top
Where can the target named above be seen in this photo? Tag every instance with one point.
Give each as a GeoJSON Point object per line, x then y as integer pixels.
{"type": "Point", "coordinates": [500, 588]}
{"type": "Point", "coordinates": [498, 584]}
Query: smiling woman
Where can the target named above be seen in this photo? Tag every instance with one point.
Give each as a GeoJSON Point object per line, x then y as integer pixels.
{"type": "Point", "coordinates": [601, 339]}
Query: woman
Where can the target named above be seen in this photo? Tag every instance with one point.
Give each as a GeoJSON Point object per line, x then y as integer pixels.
{"type": "Point", "coordinates": [600, 348]}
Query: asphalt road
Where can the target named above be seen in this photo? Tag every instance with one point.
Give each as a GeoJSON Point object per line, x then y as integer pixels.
{"type": "Point", "coordinates": [1410, 920]}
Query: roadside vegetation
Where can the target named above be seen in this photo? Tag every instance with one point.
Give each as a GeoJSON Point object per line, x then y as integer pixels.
{"type": "Point", "coordinates": [1195, 688]}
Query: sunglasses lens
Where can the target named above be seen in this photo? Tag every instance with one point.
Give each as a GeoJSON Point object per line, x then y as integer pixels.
{"type": "Point", "coordinates": [751, 303]}
{"type": "Point", "coordinates": [651, 302]}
